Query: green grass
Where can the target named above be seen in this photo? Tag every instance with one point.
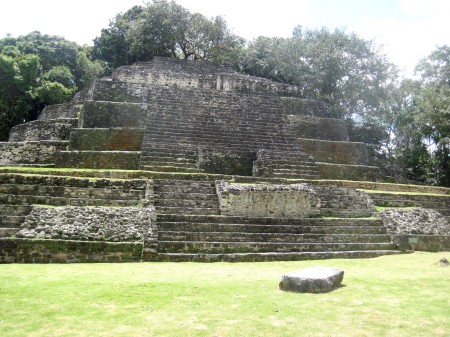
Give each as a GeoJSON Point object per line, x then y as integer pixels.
{"type": "Point", "coordinates": [405, 295]}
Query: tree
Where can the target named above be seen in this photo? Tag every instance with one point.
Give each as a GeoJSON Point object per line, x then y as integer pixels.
{"type": "Point", "coordinates": [345, 71]}
{"type": "Point", "coordinates": [37, 70]}
{"type": "Point", "coordinates": [17, 80]}
{"type": "Point", "coordinates": [433, 109]}
{"type": "Point", "coordinates": [421, 113]}
{"type": "Point", "coordinates": [164, 28]}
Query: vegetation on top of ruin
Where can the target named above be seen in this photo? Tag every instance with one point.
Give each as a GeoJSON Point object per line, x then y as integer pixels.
{"type": "Point", "coordinates": [406, 121]}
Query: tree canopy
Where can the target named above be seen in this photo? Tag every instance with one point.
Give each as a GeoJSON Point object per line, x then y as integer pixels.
{"type": "Point", "coordinates": [163, 28]}
{"type": "Point", "coordinates": [38, 70]}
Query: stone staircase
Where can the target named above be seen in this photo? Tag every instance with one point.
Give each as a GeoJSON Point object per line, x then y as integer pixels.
{"type": "Point", "coordinates": [226, 238]}
{"type": "Point", "coordinates": [182, 120]}
{"type": "Point", "coordinates": [190, 228]}
{"type": "Point", "coordinates": [293, 164]}
{"type": "Point", "coordinates": [11, 217]}
{"type": "Point", "coordinates": [185, 197]}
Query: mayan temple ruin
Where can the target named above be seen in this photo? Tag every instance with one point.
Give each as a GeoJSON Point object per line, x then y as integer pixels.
{"type": "Point", "coordinates": [175, 160]}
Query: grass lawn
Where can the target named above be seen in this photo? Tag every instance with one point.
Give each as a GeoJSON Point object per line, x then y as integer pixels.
{"type": "Point", "coordinates": [405, 295]}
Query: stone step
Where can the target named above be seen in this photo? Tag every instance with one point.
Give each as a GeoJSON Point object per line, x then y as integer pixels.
{"type": "Point", "coordinates": [172, 160]}
{"type": "Point", "coordinates": [11, 220]}
{"type": "Point", "coordinates": [184, 186]}
{"type": "Point", "coordinates": [260, 247]}
{"type": "Point", "coordinates": [207, 195]}
{"type": "Point", "coordinates": [63, 201]}
{"type": "Point", "coordinates": [145, 167]}
{"type": "Point", "coordinates": [7, 232]}
{"type": "Point", "coordinates": [14, 209]}
{"type": "Point", "coordinates": [406, 202]}
{"type": "Point", "coordinates": [294, 164]}
{"type": "Point", "coordinates": [238, 147]}
{"type": "Point", "coordinates": [150, 162]}
{"type": "Point", "coordinates": [270, 237]}
{"type": "Point", "coordinates": [293, 171]}
{"type": "Point", "coordinates": [257, 228]}
{"type": "Point", "coordinates": [212, 203]}
{"type": "Point", "coordinates": [70, 192]}
{"type": "Point", "coordinates": [294, 175]}
{"type": "Point", "coordinates": [220, 219]}
{"type": "Point", "coordinates": [269, 256]}
{"type": "Point", "coordinates": [187, 210]}
{"type": "Point", "coordinates": [224, 138]}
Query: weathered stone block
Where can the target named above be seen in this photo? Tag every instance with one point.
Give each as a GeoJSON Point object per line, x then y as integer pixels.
{"type": "Point", "coordinates": [318, 128]}
{"type": "Point", "coordinates": [253, 200]}
{"type": "Point", "coordinates": [125, 160]}
{"type": "Point", "coordinates": [349, 172]}
{"type": "Point", "coordinates": [312, 280]}
{"type": "Point", "coordinates": [337, 152]}
{"type": "Point", "coordinates": [89, 223]}
{"type": "Point", "coordinates": [113, 115]}
{"type": "Point", "coordinates": [97, 139]}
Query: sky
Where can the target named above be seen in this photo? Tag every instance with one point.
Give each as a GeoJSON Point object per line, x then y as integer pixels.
{"type": "Point", "coordinates": [405, 30]}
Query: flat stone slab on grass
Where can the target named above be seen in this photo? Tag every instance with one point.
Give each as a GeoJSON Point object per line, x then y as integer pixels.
{"type": "Point", "coordinates": [312, 280]}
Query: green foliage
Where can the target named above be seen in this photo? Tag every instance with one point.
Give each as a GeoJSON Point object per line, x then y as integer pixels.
{"type": "Point", "coordinates": [53, 93]}
{"type": "Point", "coordinates": [422, 120]}
{"type": "Point", "coordinates": [345, 71]}
{"type": "Point", "coordinates": [163, 28]}
{"type": "Point", "coordinates": [37, 70]}
{"type": "Point", "coordinates": [17, 80]}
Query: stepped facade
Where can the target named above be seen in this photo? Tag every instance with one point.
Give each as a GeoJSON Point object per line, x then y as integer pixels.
{"type": "Point", "coordinates": [192, 161]}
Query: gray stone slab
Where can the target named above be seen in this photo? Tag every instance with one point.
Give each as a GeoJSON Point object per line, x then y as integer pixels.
{"type": "Point", "coordinates": [312, 280]}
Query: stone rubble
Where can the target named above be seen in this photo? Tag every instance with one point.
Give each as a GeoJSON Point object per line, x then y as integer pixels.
{"type": "Point", "coordinates": [414, 221]}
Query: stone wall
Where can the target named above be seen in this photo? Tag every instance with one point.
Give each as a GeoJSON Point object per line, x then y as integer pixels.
{"type": "Point", "coordinates": [106, 139]}
{"type": "Point", "coordinates": [124, 160]}
{"type": "Point", "coordinates": [414, 221]}
{"type": "Point", "coordinates": [116, 91]}
{"type": "Point", "coordinates": [427, 243]}
{"type": "Point", "coordinates": [29, 153]}
{"type": "Point", "coordinates": [169, 72]}
{"type": "Point", "coordinates": [250, 84]}
{"type": "Point", "coordinates": [189, 67]}
{"type": "Point", "coordinates": [57, 111]}
{"type": "Point", "coordinates": [257, 200]}
{"type": "Point", "coordinates": [113, 115]}
{"type": "Point", "coordinates": [66, 251]}
{"type": "Point", "coordinates": [318, 128]}
{"type": "Point", "coordinates": [116, 224]}
{"type": "Point", "coordinates": [64, 191]}
{"type": "Point", "coordinates": [349, 172]}
{"type": "Point", "coordinates": [43, 130]}
{"type": "Point", "coordinates": [344, 202]}
{"type": "Point", "coordinates": [337, 152]}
